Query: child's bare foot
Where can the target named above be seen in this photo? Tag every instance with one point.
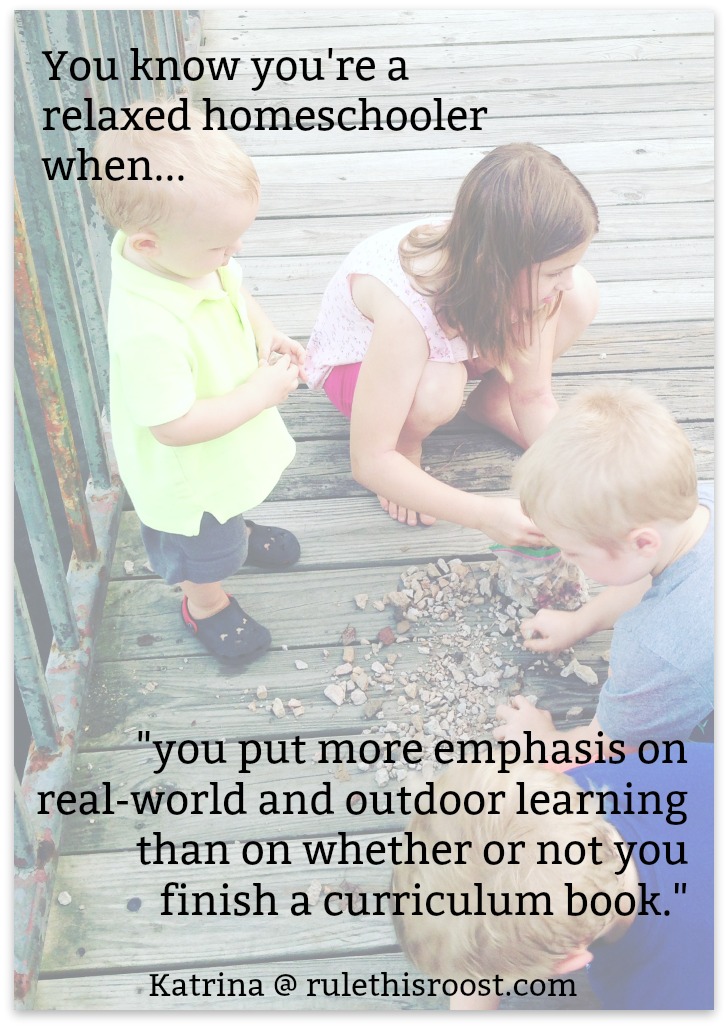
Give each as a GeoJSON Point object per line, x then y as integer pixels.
{"type": "Point", "coordinates": [404, 515]}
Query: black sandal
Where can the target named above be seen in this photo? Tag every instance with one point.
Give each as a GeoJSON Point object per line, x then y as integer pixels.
{"type": "Point", "coordinates": [272, 548]}
{"type": "Point", "coordinates": [231, 634]}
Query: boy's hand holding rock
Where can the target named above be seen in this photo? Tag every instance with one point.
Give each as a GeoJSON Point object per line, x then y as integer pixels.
{"type": "Point", "coordinates": [274, 381]}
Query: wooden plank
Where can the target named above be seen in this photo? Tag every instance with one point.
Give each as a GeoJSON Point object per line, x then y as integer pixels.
{"type": "Point", "coordinates": [103, 883]}
{"type": "Point", "coordinates": [458, 460]}
{"type": "Point", "coordinates": [479, 463]}
{"type": "Point", "coordinates": [495, 24]}
{"type": "Point", "coordinates": [485, 80]}
{"type": "Point", "coordinates": [598, 99]}
{"type": "Point", "coordinates": [557, 44]}
{"type": "Point", "coordinates": [311, 608]}
{"type": "Point", "coordinates": [556, 132]}
{"type": "Point", "coordinates": [607, 260]}
{"type": "Point", "coordinates": [628, 155]}
{"type": "Point", "coordinates": [422, 194]}
{"type": "Point", "coordinates": [190, 699]}
{"type": "Point", "coordinates": [635, 303]}
{"type": "Point", "coordinates": [131, 991]}
{"type": "Point", "coordinates": [354, 536]}
{"type": "Point", "coordinates": [688, 398]}
{"type": "Point", "coordinates": [316, 236]}
{"type": "Point", "coordinates": [553, 133]}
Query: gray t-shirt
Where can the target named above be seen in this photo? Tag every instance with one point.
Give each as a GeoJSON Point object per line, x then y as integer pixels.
{"type": "Point", "coordinates": [660, 684]}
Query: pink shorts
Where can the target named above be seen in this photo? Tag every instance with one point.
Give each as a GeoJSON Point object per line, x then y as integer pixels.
{"type": "Point", "coordinates": [340, 384]}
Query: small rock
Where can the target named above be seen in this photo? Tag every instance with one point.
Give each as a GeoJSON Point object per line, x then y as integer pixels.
{"type": "Point", "coordinates": [582, 672]}
{"type": "Point", "coordinates": [128, 567]}
{"type": "Point", "coordinates": [335, 692]}
{"type": "Point", "coordinates": [261, 692]}
{"type": "Point", "coordinates": [386, 636]}
{"type": "Point", "coordinates": [314, 893]}
{"type": "Point", "coordinates": [361, 600]}
{"type": "Point", "coordinates": [278, 709]}
{"type": "Point", "coordinates": [64, 898]}
{"type": "Point", "coordinates": [358, 697]}
{"type": "Point", "coordinates": [301, 665]}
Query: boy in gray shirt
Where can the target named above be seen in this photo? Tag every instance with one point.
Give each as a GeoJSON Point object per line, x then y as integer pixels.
{"type": "Point", "coordinates": [612, 483]}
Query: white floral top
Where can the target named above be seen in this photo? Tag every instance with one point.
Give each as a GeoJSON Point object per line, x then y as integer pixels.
{"type": "Point", "coordinates": [342, 333]}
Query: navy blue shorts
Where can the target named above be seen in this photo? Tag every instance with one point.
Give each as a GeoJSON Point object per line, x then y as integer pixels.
{"type": "Point", "coordinates": [217, 551]}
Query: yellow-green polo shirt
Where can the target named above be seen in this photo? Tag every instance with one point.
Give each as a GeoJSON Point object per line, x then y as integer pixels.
{"type": "Point", "coordinates": [169, 346]}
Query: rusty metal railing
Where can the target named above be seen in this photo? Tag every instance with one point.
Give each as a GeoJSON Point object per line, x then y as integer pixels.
{"type": "Point", "coordinates": [64, 468]}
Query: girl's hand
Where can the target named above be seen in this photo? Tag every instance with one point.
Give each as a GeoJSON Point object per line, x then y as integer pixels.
{"type": "Point", "coordinates": [277, 343]}
{"type": "Point", "coordinates": [274, 381]}
{"type": "Point", "coordinates": [507, 524]}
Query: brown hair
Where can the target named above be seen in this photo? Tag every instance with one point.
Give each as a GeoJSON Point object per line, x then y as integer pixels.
{"type": "Point", "coordinates": [519, 206]}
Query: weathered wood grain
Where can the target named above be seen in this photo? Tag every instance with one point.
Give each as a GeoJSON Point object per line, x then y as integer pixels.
{"type": "Point", "coordinates": [487, 80]}
{"type": "Point", "coordinates": [607, 261]}
{"type": "Point", "coordinates": [580, 22]}
{"type": "Point", "coordinates": [313, 237]}
{"type": "Point", "coordinates": [454, 24]}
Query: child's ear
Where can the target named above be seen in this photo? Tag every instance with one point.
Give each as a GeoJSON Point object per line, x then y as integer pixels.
{"type": "Point", "coordinates": [144, 243]}
{"type": "Point", "coordinates": [577, 959]}
{"type": "Point", "coordinates": [646, 540]}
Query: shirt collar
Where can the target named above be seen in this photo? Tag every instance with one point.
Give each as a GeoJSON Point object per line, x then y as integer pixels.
{"type": "Point", "coordinates": [176, 297]}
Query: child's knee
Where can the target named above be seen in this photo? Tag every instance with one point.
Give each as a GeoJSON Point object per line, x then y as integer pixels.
{"type": "Point", "coordinates": [583, 300]}
{"type": "Point", "coordinates": [579, 307]}
{"type": "Point", "coordinates": [439, 393]}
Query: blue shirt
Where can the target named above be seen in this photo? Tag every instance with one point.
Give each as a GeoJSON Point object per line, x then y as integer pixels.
{"type": "Point", "coordinates": [660, 683]}
{"type": "Point", "coordinates": [662, 962]}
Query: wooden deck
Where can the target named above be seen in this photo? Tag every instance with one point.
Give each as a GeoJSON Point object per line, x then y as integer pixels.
{"type": "Point", "coordinates": [625, 99]}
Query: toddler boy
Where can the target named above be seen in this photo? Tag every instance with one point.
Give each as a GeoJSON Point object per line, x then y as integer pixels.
{"type": "Point", "coordinates": [638, 958]}
{"type": "Point", "coordinates": [194, 384]}
{"type": "Point", "coordinates": [612, 483]}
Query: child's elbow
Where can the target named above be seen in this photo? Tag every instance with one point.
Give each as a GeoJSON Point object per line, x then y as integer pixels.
{"type": "Point", "coordinates": [164, 435]}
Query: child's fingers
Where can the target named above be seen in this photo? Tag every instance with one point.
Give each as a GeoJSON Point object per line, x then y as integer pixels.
{"type": "Point", "coordinates": [536, 644]}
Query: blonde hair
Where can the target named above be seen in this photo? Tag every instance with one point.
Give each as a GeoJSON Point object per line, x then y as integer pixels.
{"type": "Point", "coordinates": [512, 946]}
{"type": "Point", "coordinates": [612, 460]}
{"type": "Point", "coordinates": [518, 207]}
{"type": "Point", "coordinates": [207, 160]}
